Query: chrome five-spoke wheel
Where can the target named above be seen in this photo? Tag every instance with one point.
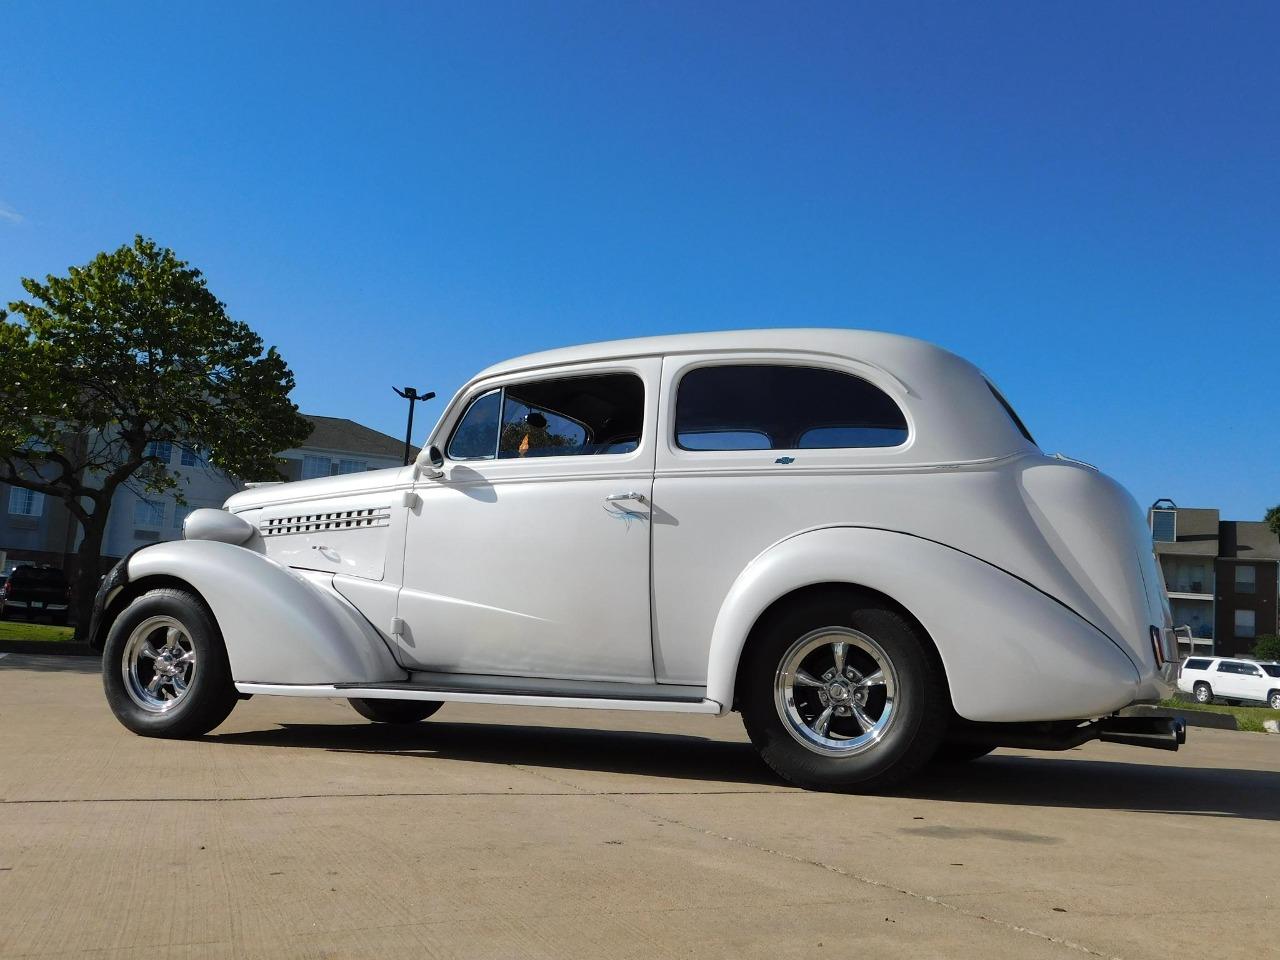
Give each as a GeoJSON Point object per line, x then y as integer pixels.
{"type": "Point", "coordinates": [835, 691]}
{"type": "Point", "coordinates": [158, 664]}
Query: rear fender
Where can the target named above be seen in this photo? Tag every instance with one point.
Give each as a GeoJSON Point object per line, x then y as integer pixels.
{"type": "Point", "coordinates": [1011, 653]}
{"type": "Point", "coordinates": [279, 625]}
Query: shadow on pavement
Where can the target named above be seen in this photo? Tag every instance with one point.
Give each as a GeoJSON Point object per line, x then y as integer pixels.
{"type": "Point", "coordinates": [1044, 781]}
{"type": "Point", "coordinates": [50, 663]}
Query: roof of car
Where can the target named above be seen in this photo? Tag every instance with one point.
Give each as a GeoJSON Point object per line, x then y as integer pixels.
{"type": "Point", "coordinates": [955, 417]}
{"type": "Point", "coordinates": [869, 346]}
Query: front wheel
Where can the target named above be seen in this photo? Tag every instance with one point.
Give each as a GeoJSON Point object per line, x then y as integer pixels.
{"type": "Point", "coordinates": [1273, 700]}
{"type": "Point", "coordinates": [164, 667]}
{"type": "Point", "coordinates": [1203, 693]}
{"type": "Point", "coordinates": [843, 693]}
{"type": "Point", "coordinates": [396, 711]}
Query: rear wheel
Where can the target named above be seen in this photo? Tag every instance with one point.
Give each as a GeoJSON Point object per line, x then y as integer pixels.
{"type": "Point", "coordinates": [396, 711]}
{"type": "Point", "coordinates": [1273, 699]}
{"type": "Point", "coordinates": [164, 667]}
{"type": "Point", "coordinates": [1202, 692]}
{"type": "Point", "coordinates": [843, 693]}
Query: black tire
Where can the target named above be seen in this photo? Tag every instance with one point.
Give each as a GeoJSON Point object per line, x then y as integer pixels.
{"type": "Point", "coordinates": [209, 693]}
{"type": "Point", "coordinates": [919, 715]}
{"type": "Point", "coordinates": [396, 711]}
{"type": "Point", "coordinates": [1202, 692]}
{"type": "Point", "coordinates": [954, 754]}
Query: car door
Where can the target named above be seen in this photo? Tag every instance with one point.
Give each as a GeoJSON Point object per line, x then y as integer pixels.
{"type": "Point", "coordinates": [529, 554]}
{"type": "Point", "coordinates": [1226, 679]}
{"type": "Point", "coordinates": [1253, 685]}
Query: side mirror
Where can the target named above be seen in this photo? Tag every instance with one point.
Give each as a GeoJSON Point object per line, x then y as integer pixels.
{"type": "Point", "coordinates": [429, 463]}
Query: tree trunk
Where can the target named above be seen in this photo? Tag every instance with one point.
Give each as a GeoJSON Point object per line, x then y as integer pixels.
{"type": "Point", "coordinates": [88, 559]}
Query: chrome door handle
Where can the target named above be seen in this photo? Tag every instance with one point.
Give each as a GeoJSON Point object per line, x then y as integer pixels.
{"type": "Point", "coordinates": [632, 495]}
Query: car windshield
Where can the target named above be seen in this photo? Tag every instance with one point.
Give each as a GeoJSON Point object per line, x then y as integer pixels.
{"type": "Point", "coordinates": [1272, 669]}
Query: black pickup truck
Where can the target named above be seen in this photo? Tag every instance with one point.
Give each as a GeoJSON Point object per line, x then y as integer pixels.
{"type": "Point", "coordinates": [35, 591]}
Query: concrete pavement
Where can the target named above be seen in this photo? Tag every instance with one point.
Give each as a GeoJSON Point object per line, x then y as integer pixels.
{"type": "Point", "coordinates": [299, 830]}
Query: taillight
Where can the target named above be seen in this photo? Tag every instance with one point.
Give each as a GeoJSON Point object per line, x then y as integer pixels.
{"type": "Point", "coordinates": [1155, 646]}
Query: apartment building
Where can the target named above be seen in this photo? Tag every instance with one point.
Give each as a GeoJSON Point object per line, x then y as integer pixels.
{"type": "Point", "coordinates": [38, 529]}
{"type": "Point", "coordinates": [1222, 576]}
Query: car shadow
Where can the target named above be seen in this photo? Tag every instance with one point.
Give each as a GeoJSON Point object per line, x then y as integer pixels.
{"type": "Point", "coordinates": [50, 663]}
{"type": "Point", "coordinates": [1044, 781]}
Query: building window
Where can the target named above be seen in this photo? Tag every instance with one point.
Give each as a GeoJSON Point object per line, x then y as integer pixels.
{"type": "Point", "coordinates": [160, 449]}
{"type": "Point", "coordinates": [774, 407]}
{"type": "Point", "coordinates": [313, 467]}
{"type": "Point", "coordinates": [180, 513]}
{"type": "Point", "coordinates": [352, 466]}
{"type": "Point", "coordinates": [1245, 624]}
{"type": "Point", "coordinates": [1246, 578]}
{"type": "Point", "coordinates": [1164, 526]}
{"type": "Point", "coordinates": [190, 458]}
{"type": "Point", "coordinates": [25, 503]}
{"type": "Point", "coordinates": [148, 513]}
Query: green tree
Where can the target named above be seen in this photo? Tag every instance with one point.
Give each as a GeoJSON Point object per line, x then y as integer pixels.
{"type": "Point", "coordinates": [1267, 647]}
{"type": "Point", "coordinates": [1272, 519]}
{"type": "Point", "coordinates": [128, 349]}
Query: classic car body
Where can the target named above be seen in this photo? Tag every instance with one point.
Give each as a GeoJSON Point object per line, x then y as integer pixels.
{"type": "Point", "coordinates": [611, 525]}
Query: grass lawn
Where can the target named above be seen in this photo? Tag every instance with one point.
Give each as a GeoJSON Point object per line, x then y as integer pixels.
{"type": "Point", "coordinates": [22, 630]}
{"type": "Point", "coordinates": [1248, 718]}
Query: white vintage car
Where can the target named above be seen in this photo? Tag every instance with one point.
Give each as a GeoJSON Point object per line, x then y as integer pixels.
{"type": "Point", "coordinates": [849, 537]}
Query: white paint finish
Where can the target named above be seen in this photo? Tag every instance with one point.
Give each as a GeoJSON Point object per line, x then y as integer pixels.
{"type": "Point", "coordinates": [1010, 652]}
{"type": "Point", "coordinates": [523, 567]}
{"type": "Point", "coordinates": [507, 699]}
{"type": "Point", "coordinates": [3, 655]}
{"type": "Point", "coordinates": [210, 524]}
{"type": "Point", "coordinates": [279, 625]}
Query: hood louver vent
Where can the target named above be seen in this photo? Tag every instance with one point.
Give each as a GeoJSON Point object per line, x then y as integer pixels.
{"type": "Point", "coordinates": [336, 520]}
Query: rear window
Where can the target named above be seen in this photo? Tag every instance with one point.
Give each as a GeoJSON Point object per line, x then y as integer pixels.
{"type": "Point", "coordinates": [1013, 414]}
{"type": "Point", "coordinates": [37, 575]}
{"type": "Point", "coordinates": [1194, 664]}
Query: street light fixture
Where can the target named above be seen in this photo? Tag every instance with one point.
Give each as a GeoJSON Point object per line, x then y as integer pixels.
{"type": "Point", "coordinates": [413, 396]}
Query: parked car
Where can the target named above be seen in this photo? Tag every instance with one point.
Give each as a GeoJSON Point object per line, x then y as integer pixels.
{"type": "Point", "coordinates": [35, 591]}
{"type": "Point", "coordinates": [1227, 678]}
{"type": "Point", "coordinates": [849, 537]}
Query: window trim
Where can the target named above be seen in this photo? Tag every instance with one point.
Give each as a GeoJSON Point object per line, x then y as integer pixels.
{"type": "Point", "coordinates": [649, 387]}
{"type": "Point", "coordinates": [757, 360]}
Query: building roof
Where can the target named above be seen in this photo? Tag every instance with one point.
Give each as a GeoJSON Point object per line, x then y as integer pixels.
{"type": "Point", "coordinates": [1197, 533]}
{"type": "Point", "coordinates": [1249, 540]}
{"type": "Point", "coordinates": [347, 436]}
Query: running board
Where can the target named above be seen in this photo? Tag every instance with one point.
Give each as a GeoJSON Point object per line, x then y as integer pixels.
{"type": "Point", "coordinates": [406, 691]}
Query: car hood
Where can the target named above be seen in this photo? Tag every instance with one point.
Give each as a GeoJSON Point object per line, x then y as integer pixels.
{"type": "Point", "coordinates": [299, 491]}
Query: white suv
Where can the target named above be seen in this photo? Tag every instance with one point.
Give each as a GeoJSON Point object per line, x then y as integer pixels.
{"type": "Point", "coordinates": [1208, 677]}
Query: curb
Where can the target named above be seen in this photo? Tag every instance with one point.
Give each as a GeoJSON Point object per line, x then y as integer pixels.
{"type": "Point", "coordinates": [1271, 726]}
{"type": "Point", "coordinates": [1193, 718]}
{"type": "Point", "coordinates": [50, 648]}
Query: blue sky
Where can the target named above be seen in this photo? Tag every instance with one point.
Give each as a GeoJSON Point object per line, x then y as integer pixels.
{"type": "Point", "coordinates": [1083, 199]}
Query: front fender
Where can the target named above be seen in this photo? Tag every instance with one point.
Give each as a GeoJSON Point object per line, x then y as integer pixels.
{"type": "Point", "coordinates": [279, 625]}
{"type": "Point", "coordinates": [1011, 653]}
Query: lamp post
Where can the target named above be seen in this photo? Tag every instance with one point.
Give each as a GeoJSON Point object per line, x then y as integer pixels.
{"type": "Point", "coordinates": [413, 396]}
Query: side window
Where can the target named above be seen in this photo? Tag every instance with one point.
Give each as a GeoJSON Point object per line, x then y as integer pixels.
{"type": "Point", "coordinates": [476, 436]}
{"type": "Point", "coordinates": [774, 407]}
{"type": "Point", "coordinates": [1225, 667]}
{"type": "Point", "coordinates": [1197, 664]}
{"type": "Point", "coordinates": [568, 416]}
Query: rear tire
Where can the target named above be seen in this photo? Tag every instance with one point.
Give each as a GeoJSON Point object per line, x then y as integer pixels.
{"type": "Point", "coordinates": [1203, 693]}
{"type": "Point", "coordinates": [396, 711]}
{"type": "Point", "coordinates": [1273, 699]}
{"type": "Point", "coordinates": [164, 667]}
{"type": "Point", "coordinates": [842, 692]}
